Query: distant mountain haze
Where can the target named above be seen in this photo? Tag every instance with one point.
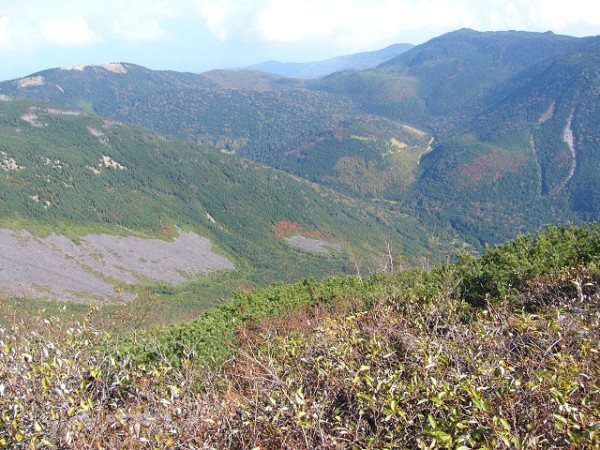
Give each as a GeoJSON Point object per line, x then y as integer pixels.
{"type": "Point", "coordinates": [317, 69]}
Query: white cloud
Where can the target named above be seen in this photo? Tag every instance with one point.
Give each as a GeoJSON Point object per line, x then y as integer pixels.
{"type": "Point", "coordinates": [353, 21]}
{"type": "Point", "coordinates": [7, 34]}
{"type": "Point", "coordinates": [366, 22]}
{"type": "Point", "coordinates": [560, 15]}
{"type": "Point", "coordinates": [135, 30]}
{"type": "Point", "coordinates": [342, 22]}
{"type": "Point", "coordinates": [227, 18]}
{"type": "Point", "coordinates": [352, 24]}
{"type": "Point", "coordinates": [4, 32]}
{"type": "Point", "coordinates": [32, 24]}
{"type": "Point", "coordinates": [144, 20]}
{"type": "Point", "coordinates": [68, 32]}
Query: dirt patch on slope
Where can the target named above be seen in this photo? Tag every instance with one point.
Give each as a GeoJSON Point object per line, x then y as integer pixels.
{"type": "Point", "coordinates": [313, 245]}
{"type": "Point", "coordinates": [56, 267]}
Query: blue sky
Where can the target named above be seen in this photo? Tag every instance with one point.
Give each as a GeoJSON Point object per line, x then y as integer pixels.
{"type": "Point", "coordinates": [199, 35]}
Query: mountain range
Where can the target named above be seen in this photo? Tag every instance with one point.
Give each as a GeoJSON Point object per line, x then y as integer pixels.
{"type": "Point", "coordinates": [480, 135]}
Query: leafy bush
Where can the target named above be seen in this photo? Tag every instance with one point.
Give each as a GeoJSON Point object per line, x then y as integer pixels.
{"type": "Point", "coordinates": [435, 375]}
{"type": "Point", "coordinates": [504, 269]}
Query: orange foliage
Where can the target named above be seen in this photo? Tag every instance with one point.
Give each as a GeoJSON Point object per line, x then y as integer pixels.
{"type": "Point", "coordinates": [284, 229]}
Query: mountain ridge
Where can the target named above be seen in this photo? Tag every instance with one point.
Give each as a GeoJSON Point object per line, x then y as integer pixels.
{"type": "Point", "coordinates": [317, 69]}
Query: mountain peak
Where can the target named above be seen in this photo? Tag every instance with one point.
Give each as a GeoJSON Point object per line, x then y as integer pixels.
{"type": "Point", "coordinates": [111, 67]}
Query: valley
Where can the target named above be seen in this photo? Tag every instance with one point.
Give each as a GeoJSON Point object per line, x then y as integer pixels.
{"type": "Point", "coordinates": [463, 136]}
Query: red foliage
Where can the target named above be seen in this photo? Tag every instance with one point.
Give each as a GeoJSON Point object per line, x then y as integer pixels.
{"type": "Point", "coordinates": [168, 230]}
{"type": "Point", "coordinates": [491, 165]}
{"type": "Point", "coordinates": [283, 229]}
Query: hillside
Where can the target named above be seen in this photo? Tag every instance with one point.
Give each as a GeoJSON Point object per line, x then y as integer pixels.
{"type": "Point", "coordinates": [512, 115]}
{"type": "Point", "coordinates": [528, 156]}
{"type": "Point", "coordinates": [471, 132]}
{"type": "Point", "coordinates": [88, 178]}
{"type": "Point", "coordinates": [438, 82]}
{"type": "Point", "coordinates": [98, 88]}
{"type": "Point", "coordinates": [317, 69]}
{"type": "Point", "coordinates": [499, 351]}
{"type": "Point", "coordinates": [456, 68]}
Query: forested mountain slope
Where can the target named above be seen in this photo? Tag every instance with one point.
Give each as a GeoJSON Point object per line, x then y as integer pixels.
{"type": "Point", "coordinates": [68, 172]}
{"type": "Point", "coordinates": [512, 114]}
{"type": "Point", "coordinates": [277, 121]}
{"type": "Point", "coordinates": [528, 155]}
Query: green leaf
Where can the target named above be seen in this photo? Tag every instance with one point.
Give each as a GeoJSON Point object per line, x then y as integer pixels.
{"type": "Point", "coordinates": [561, 418]}
{"type": "Point", "coordinates": [432, 421]}
{"type": "Point", "coordinates": [444, 438]}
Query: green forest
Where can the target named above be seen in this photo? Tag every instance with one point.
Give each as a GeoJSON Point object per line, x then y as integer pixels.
{"type": "Point", "coordinates": [61, 184]}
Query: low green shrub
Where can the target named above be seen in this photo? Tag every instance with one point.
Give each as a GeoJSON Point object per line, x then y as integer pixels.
{"type": "Point", "coordinates": [504, 269]}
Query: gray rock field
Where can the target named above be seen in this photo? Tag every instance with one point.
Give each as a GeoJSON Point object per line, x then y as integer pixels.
{"type": "Point", "coordinates": [56, 267]}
